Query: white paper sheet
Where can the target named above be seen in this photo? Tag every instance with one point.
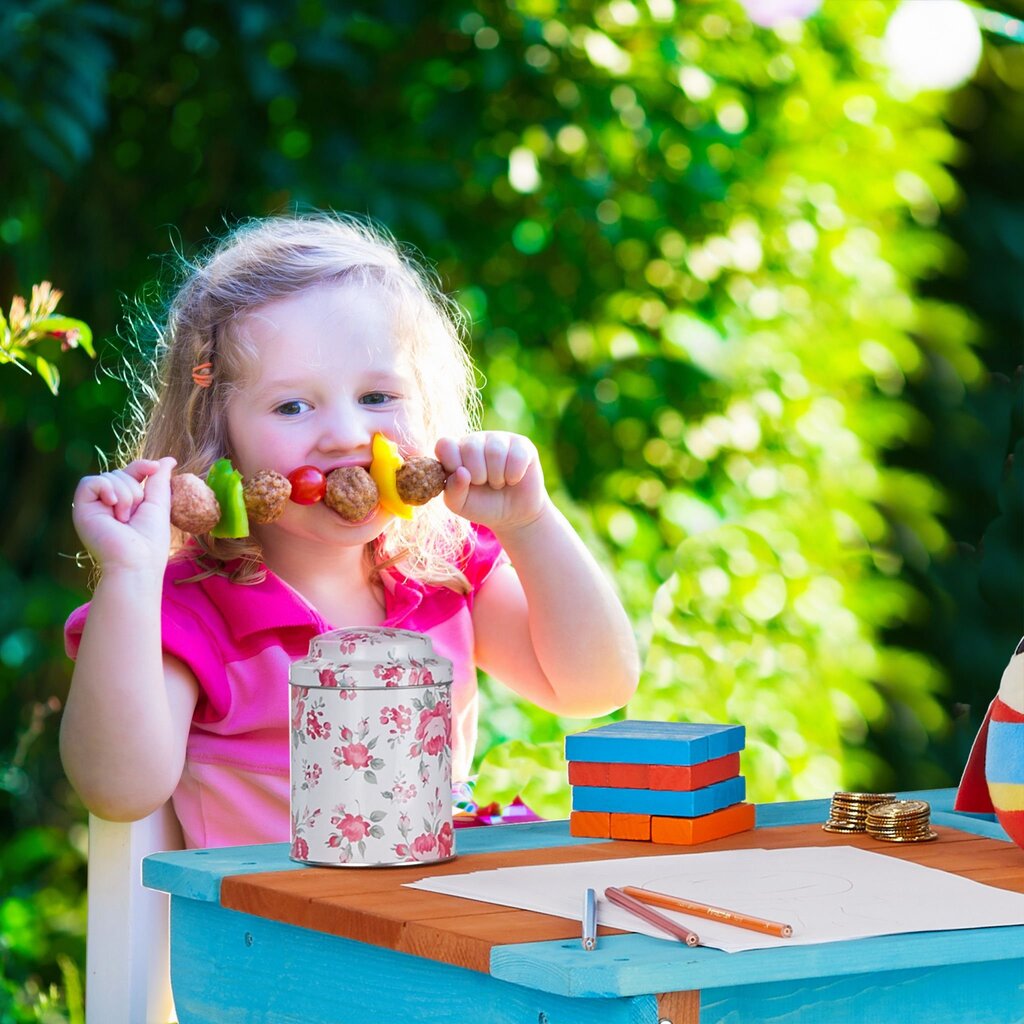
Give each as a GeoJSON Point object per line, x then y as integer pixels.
{"type": "Point", "coordinates": [826, 894]}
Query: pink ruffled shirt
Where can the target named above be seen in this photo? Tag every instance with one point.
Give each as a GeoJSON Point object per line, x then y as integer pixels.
{"type": "Point", "coordinates": [239, 641]}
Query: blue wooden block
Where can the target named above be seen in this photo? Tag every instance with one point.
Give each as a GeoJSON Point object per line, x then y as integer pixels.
{"type": "Point", "coordinates": [672, 743]}
{"type": "Point", "coordinates": [672, 803]}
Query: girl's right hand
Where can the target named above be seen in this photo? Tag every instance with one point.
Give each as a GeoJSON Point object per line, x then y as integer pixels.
{"type": "Point", "coordinates": [124, 517]}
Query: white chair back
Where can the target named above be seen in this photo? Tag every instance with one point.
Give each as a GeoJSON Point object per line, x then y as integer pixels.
{"type": "Point", "coordinates": [127, 964]}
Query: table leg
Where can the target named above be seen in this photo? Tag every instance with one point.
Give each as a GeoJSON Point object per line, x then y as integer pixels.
{"type": "Point", "coordinates": [679, 1008]}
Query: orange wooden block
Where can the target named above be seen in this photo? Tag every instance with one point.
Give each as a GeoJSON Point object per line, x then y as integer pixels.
{"type": "Point", "coordinates": [629, 776]}
{"type": "Point", "coordinates": [592, 824]}
{"type": "Point", "coordinates": [691, 831]}
{"type": "Point", "coordinates": [588, 773]}
{"type": "Point", "coordinates": [695, 776]}
{"type": "Point", "coordinates": [631, 826]}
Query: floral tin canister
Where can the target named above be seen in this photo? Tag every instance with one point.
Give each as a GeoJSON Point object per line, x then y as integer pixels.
{"type": "Point", "coordinates": [371, 750]}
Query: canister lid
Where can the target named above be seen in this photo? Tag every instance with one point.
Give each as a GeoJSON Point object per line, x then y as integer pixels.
{"type": "Point", "coordinates": [371, 657]}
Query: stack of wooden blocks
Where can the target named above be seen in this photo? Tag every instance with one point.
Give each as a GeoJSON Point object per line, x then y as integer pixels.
{"type": "Point", "coordinates": [662, 782]}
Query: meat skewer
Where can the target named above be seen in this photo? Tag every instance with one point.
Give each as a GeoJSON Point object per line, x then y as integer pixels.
{"type": "Point", "coordinates": [350, 491]}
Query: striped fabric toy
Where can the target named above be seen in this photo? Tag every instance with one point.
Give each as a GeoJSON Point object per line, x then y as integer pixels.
{"type": "Point", "coordinates": [994, 777]}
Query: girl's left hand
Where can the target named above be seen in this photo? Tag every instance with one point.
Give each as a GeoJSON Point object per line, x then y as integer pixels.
{"type": "Point", "coordinates": [494, 478]}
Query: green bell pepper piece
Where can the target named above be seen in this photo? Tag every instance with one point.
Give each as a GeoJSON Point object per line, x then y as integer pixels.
{"type": "Point", "coordinates": [226, 483]}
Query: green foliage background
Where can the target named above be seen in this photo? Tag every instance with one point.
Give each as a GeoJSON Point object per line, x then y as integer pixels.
{"type": "Point", "coordinates": [761, 314]}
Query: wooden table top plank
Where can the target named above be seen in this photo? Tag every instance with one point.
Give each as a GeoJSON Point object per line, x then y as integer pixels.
{"type": "Point", "coordinates": [321, 883]}
{"type": "Point", "coordinates": [348, 902]}
{"type": "Point", "coordinates": [466, 940]}
{"type": "Point", "coordinates": [197, 874]}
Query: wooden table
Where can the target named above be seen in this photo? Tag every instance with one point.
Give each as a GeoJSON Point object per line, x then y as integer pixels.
{"type": "Point", "coordinates": [256, 938]}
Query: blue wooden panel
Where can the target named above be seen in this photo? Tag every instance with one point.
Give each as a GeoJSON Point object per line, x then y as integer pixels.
{"type": "Point", "coordinates": [803, 812]}
{"type": "Point", "coordinates": [671, 743]}
{"type": "Point", "coordinates": [197, 873]}
{"type": "Point", "coordinates": [233, 968]}
{"type": "Point", "coordinates": [969, 823]}
{"type": "Point", "coordinates": [959, 994]}
{"type": "Point", "coordinates": [672, 803]}
{"type": "Point", "coordinates": [938, 799]}
{"type": "Point", "coordinates": [797, 812]}
{"type": "Point", "coordinates": [625, 965]}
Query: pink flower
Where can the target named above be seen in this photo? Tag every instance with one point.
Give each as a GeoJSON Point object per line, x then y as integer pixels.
{"type": "Point", "coordinates": [298, 710]}
{"type": "Point", "coordinates": [327, 677]}
{"type": "Point", "coordinates": [354, 827]}
{"type": "Point", "coordinates": [421, 677]}
{"type": "Point", "coordinates": [423, 845]}
{"type": "Point", "coordinates": [355, 755]}
{"type": "Point", "coordinates": [401, 850]}
{"type": "Point", "coordinates": [435, 728]}
{"type": "Point", "coordinates": [314, 727]}
{"type": "Point", "coordinates": [300, 848]}
{"type": "Point", "coordinates": [444, 840]}
{"type": "Point", "coordinates": [391, 674]}
{"type": "Point", "coordinates": [401, 716]}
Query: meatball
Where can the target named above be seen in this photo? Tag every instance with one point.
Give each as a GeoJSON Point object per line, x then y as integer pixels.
{"type": "Point", "coordinates": [266, 496]}
{"type": "Point", "coordinates": [351, 493]}
{"type": "Point", "coordinates": [419, 480]}
{"type": "Point", "coordinates": [194, 507]}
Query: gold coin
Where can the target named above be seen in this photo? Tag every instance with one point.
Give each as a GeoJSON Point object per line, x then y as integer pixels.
{"type": "Point", "coordinates": [869, 797]}
{"type": "Point", "coordinates": [849, 812]}
{"type": "Point", "coordinates": [924, 837]}
{"type": "Point", "coordinates": [900, 809]}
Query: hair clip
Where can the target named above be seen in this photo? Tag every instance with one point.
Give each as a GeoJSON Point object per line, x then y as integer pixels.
{"type": "Point", "coordinates": [203, 374]}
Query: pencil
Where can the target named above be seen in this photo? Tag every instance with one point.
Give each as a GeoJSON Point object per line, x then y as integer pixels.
{"type": "Point", "coordinates": [641, 910]}
{"type": "Point", "coordinates": [733, 917]}
{"type": "Point", "coordinates": [589, 938]}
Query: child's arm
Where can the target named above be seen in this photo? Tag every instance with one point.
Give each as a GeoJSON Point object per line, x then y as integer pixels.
{"type": "Point", "coordinates": [552, 627]}
{"type": "Point", "coordinates": [128, 712]}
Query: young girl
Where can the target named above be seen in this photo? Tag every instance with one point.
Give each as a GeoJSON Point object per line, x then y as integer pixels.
{"type": "Point", "coordinates": [292, 344]}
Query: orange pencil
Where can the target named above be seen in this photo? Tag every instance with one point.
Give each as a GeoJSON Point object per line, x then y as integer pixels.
{"type": "Point", "coordinates": [733, 917]}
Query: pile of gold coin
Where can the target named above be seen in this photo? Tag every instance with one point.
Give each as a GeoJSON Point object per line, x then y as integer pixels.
{"type": "Point", "coordinates": [901, 821]}
{"type": "Point", "coordinates": [849, 811]}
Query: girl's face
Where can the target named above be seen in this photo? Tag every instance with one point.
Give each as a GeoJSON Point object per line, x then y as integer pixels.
{"type": "Point", "coordinates": [328, 374]}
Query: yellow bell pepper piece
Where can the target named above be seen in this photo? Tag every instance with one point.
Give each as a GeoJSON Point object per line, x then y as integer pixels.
{"type": "Point", "coordinates": [385, 464]}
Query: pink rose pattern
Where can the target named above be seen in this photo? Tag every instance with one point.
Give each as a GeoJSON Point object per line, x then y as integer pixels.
{"type": "Point", "coordinates": [354, 755]}
{"type": "Point", "coordinates": [393, 667]}
{"type": "Point", "coordinates": [436, 839]}
{"type": "Point", "coordinates": [302, 822]}
{"type": "Point", "coordinates": [385, 766]}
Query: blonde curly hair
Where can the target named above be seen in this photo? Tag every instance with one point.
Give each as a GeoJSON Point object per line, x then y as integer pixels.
{"type": "Point", "coordinates": [268, 259]}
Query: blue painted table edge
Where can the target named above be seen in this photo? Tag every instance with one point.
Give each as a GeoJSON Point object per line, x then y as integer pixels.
{"type": "Point", "coordinates": [631, 965]}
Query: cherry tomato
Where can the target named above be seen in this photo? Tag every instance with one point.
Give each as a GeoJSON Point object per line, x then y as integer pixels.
{"type": "Point", "coordinates": [308, 485]}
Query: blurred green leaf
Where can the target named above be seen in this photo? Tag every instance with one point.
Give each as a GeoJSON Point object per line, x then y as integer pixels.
{"type": "Point", "coordinates": [536, 772]}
